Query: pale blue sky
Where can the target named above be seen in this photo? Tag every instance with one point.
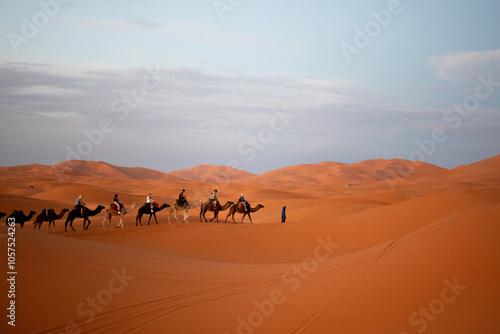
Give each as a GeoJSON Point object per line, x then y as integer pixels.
{"type": "Point", "coordinates": [257, 84]}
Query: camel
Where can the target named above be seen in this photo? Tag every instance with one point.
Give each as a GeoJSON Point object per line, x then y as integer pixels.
{"type": "Point", "coordinates": [236, 208]}
{"type": "Point", "coordinates": [48, 215]}
{"type": "Point", "coordinates": [77, 213]}
{"type": "Point", "coordinates": [210, 207]}
{"type": "Point", "coordinates": [110, 213]}
{"type": "Point", "coordinates": [19, 217]}
{"type": "Point", "coordinates": [185, 207]}
{"type": "Point", "coordinates": [146, 209]}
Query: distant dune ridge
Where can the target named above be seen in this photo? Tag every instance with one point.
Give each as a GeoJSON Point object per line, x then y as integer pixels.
{"type": "Point", "coordinates": [377, 246]}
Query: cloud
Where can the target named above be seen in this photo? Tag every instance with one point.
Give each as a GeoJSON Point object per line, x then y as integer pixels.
{"type": "Point", "coordinates": [193, 109]}
{"type": "Point", "coordinates": [193, 100]}
{"type": "Point", "coordinates": [467, 66]}
{"type": "Point", "coordinates": [144, 23]}
{"type": "Point", "coordinates": [43, 90]}
{"type": "Point", "coordinates": [117, 24]}
{"type": "Point", "coordinates": [206, 33]}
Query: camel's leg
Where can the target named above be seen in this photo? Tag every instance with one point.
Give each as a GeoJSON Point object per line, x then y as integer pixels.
{"type": "Point", "coordinates": [48, 228]}
{"type": "Point", "coordinates": [156, 220]}
{"type": "Point", "coordinates": [150, 215]}
{"type": "Point", "coordinates": [86, 228]}
{"type": "Point", "coordinates": [120, 223]}
{"type": "Point", "coordinates": [138, 219]}
{"type": "Point", "coordinates": [104, 221]}
{"type": "Point", "coordinates": [176, 217]}
{"type": "Point", "coordinates": [186, 216]}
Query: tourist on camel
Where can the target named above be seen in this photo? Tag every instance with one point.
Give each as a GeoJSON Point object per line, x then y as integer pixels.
{"type": "Point", "coordinates": [150, 201]}
{"type": "Point", "coordinates": [182, 198]}
{"type": "Point", "coordinates": [117, 203]}
{"type": "Point", "coordinates": [242, 200]}
{"type": "Point", "coordinates": [213, 199]}
{"type": "Point", "coordinates": [79, 203]}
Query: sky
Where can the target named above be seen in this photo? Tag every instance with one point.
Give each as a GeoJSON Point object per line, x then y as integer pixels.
{"type": "Point", "coordinates": [256, 85]}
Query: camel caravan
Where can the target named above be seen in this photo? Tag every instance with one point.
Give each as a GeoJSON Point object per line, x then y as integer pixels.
{"type": "Point", "coordinates": [117, 209]}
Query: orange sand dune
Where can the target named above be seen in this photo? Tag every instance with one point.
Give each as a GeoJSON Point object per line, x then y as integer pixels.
{"type": "Point", "coordinates": [210, 174]}
{"type": "Point", "coordinates": [379, 246]}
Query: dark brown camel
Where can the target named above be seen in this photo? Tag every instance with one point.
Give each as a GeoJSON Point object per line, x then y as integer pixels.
{"type": "Point", "coordinates": [237, 209]}
{"type": "Point", "coordinates": [210, 207]}
{"type": "Point", "coordinates": [20, 217]}
{"type": "Point", "coordinates": [48, 215]}
{"type": "Point", "coordinates": [77, 213]}
{"type": "Point", "coordinates": [146, 209]}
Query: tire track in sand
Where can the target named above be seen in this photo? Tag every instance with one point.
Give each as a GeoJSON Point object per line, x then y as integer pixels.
{"type": "Point", "coordinates": [137, 317]}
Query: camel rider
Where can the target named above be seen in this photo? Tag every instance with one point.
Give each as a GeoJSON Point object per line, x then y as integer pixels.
{"type": "Point", "coordinates": [150, 201]}
{"type": "Point", "coordinates": [213, 199]}
{"type": "Point", "coordinates": [182, 197]}
{"type": "Point", "coordinates": [118, 204]}
{"type": "Point", "coordinates": [79, 203]}
{"type": "Point", "coordinates": [242, 200]}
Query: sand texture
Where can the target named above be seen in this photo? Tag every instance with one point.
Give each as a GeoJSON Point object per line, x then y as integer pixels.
{"type": "Point", "coordinates": [378, 246]}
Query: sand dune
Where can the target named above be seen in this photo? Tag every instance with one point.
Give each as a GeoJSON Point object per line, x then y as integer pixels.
{"type": "Point", "coordinates": [211, 174]}
{"type": "Point", "coordinates": [379, 246]}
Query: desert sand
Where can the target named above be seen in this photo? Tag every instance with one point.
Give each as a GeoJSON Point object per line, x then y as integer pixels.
{"type": "Point", "coordinates": [378, 246]}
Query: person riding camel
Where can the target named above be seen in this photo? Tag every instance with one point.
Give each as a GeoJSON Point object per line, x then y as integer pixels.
{"type": "Point", "coordinates": [79, 204]}
{"type": "Point", "coordinates": [118, 204]}
{"type": "Point", "coordinates": [242, 200]}
{"type": "Point", "coordinates": [182, 198]}
{"type": "Point", "coordinates": [213, 199]}
{"type": "Point", "coordinates": [150, 201]}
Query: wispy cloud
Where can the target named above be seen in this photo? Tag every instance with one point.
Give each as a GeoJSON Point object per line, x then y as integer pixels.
{"type": "Point", "coordinates": [206, 33]}
{"type": "Point", "coordinates": [467, 66]}
{"type": "Point", "coordinates": [109, 24]}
